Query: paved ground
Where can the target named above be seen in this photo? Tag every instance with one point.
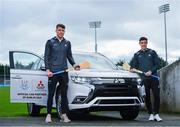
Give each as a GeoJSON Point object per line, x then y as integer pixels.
{"type": "Point", "coordinates": [94, 119]}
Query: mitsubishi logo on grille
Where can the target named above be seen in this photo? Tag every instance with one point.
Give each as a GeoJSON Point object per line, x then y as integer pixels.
{"type": "Point", "coordinates": [118, 81]}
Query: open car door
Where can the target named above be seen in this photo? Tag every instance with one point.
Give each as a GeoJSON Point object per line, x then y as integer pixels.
{"type": "Point", "coordinates": [28, 78]}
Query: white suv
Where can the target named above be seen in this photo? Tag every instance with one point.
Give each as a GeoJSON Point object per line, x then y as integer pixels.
{"type": "Point", "coordinates": [101, 87]}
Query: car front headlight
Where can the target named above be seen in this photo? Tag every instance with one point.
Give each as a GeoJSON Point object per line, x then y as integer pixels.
{"type": "Point", "coordinates": [138, 80]}
{"type": "Point", "coordinates": [83, 80]}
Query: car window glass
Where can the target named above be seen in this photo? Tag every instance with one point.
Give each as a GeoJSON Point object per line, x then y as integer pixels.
{"type": "Point", "coordinates": [41, 64]}
{"type": "Point", "coordinates": [96, 61]}
{"type": "Point", "coordinates": [35, 65]}
{"type": "Point", "coordinates": [25, 61]}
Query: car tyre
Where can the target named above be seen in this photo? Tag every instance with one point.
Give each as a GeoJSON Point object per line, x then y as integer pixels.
{"type": "Point", "coordinates": [33, 109]}
{"type": "Point", "coordinates": [129, 113]}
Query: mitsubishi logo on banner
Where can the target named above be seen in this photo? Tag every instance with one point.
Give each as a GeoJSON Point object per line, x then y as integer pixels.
{"type": "Point", "coordinates": [40, 85]}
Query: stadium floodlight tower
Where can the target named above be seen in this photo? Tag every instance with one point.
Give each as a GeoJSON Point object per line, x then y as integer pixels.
{"type": "Point", "coordinates": [95, 25]}
{"type": "Point", "coordinates": [163, 9]}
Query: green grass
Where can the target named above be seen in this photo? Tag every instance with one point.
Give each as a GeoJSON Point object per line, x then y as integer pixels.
{"type": "Point", "coordinates": [8, 109]}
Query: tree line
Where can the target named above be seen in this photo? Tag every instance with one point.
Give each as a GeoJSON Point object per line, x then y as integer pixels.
{"type": "Point", "coordinates": [4, 69]}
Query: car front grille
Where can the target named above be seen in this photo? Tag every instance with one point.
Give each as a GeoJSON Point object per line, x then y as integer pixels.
{"type": "Point", "coordinates": [114, 90]}
{"type": "Point", "coordinates": [111, 90]}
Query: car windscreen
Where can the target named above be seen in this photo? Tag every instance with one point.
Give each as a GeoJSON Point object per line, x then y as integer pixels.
{"type": "Point", "coordinates": [96, 61]}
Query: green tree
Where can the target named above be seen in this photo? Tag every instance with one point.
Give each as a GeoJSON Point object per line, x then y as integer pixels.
{"type": "Point", "coordinates": [7, 69]}
{"type": "Point", "coordinates": [1, 69]}
{"type": "Point", "coordinates": [162, 63]}
{"type": "Point", "coordinates": [120, 62]}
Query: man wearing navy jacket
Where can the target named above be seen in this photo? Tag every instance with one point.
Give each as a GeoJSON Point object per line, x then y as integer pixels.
{"type": "Point", "coordinates": [147, 61]}
{"type": "Point", "coordinates": [57, 52]}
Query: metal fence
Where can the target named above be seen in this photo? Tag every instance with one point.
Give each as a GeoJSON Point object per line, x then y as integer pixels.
{"type": "Point", "coordinates": [4, 80]}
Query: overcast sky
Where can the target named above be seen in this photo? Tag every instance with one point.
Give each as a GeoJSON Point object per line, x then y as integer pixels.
{"type": "Point", "coordinates": [28, 24]}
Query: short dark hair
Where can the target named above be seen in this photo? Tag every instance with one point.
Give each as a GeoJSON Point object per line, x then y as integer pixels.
{"type": "Point", "coordinates": [143, 38]}
{"type": "Point", "coordinates": [60, 25]}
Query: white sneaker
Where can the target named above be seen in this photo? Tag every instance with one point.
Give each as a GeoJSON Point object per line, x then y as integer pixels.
{"type": "Point", "coordinates": [65, 119]}
{"type": "Point", "coordinates": [151, 117]}
{"type": "Point", "coordinates": [157, 118]}
{"type": "Point", "coordinates": [48, 118]}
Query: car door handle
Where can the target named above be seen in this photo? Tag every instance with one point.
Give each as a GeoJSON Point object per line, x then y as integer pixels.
{"type": "Point", "coordinates": [17, 77]}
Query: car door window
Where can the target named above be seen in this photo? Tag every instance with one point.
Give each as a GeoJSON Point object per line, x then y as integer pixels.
{"type": "Point", "coordinates": [35, 65]}
{"type": "Point", "coordinates": [25, 61]}
{"type": "Point", "coordinates": [41, 65]}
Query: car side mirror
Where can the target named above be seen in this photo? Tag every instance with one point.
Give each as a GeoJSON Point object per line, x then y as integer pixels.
{"type": "Point", "coordinates": [42, 68]}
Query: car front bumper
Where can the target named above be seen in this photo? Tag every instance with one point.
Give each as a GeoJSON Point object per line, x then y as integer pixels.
{"type": "Point", "coordinates": [108, 102]}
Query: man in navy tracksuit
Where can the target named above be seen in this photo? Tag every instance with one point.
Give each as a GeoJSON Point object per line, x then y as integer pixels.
{"type": "Point", "coordinates": [147, 61]}
{"type": "Point", "coordinates": [57, 52]}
